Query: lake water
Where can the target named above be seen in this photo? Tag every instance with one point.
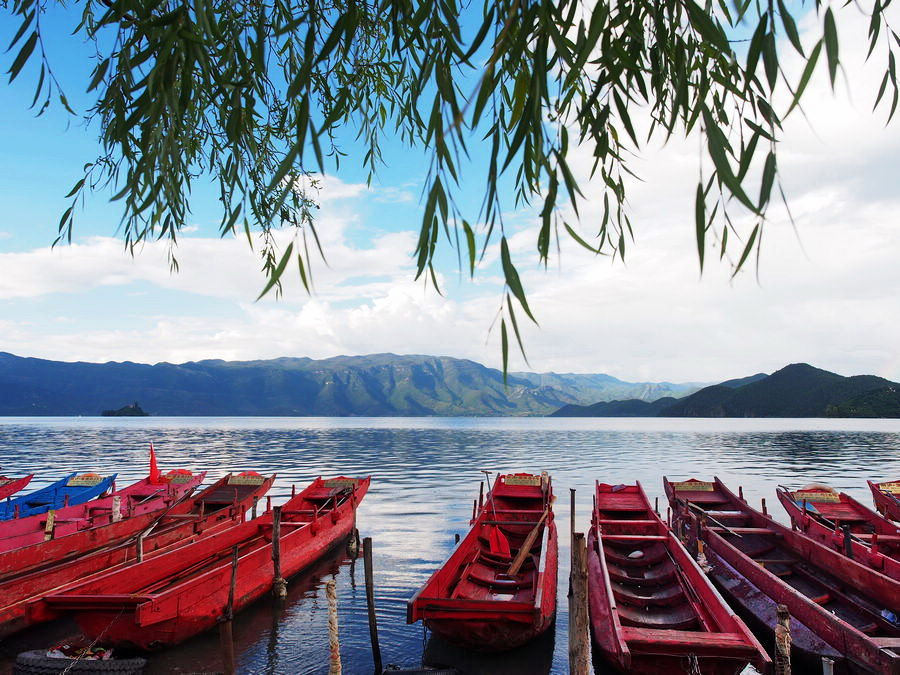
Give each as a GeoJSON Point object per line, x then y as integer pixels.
{"type": "Point", "coordinates": [425, 476]}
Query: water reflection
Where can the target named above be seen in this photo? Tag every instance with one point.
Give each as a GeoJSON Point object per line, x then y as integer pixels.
{"type": "Point", "coordinates": [425, 476]}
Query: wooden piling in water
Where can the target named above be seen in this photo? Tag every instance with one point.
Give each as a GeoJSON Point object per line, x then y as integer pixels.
{"type": "Point", "coordinates": [279, 585]}
{"type": "Point", "coordinates": [370, 602]}
{"type": "Point", "coordinates": [782, 641]}
{"type": "Point", "coordinates": [226, 638]}
{"type": "Point", "coordinates": [572, 515]}
{"type": "Point", "coordinates": [334, 661]}
{"type": "Point", "coordinates": [579, 634]}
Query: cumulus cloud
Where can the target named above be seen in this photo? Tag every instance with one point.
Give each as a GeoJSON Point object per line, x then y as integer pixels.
{"type": "Point", "coordinates": [824, 293]}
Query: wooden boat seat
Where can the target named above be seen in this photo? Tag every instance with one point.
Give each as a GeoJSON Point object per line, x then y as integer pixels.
{"type": "Point", "coordinates": [679, 617]}
{"type": "Point", "coordinates": [484, 578]}
{"type": "Point", "coordinates": [642, 596]}
{"type": "Point", "coordinates": [619, 555]}
{"type": "Point", "coordinates": [648, 640]}
{"type": "Point", "coordinates": [631, 523]}
{"type": "Point", "coordinates": [656, 575]}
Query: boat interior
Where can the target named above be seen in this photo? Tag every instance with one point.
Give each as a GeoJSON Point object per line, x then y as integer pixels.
{"type": "Point", "coordinates": [770, 550]}
{"type": "Point", "coordinates": [648, 585]}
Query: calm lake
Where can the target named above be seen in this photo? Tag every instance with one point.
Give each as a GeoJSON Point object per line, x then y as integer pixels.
{"type": "Point", "coordinates": [425, 475]}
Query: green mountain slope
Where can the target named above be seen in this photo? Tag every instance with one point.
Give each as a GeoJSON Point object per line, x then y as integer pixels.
{"type": "Point", "coordinates": [374, 385]}
{"type": "Point", "coordinates": [797, 390]}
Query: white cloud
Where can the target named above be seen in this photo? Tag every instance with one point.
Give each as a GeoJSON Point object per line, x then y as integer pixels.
{"type": "Point", "coordinates": [827, 299]}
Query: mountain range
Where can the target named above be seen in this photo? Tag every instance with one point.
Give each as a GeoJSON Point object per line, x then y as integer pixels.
{"type": "Point", "coordinates": [374, 385]}
{"type": "Point", "coordinates": [797, 390]}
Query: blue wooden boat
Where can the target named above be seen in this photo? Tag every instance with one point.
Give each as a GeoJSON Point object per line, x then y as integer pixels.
{"type": "Point", "coordinates": [67, 491]}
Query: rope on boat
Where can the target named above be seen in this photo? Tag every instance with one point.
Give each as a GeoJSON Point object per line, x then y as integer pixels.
{"type": "Point", "coordinates": [334, 662]}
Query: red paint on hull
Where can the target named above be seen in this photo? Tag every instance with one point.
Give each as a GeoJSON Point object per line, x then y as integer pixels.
{"type": "Point", "coordinates": [822, 515]}
{"type": "Point", "coordinates": [167, 600]}
{"type": "Point", "coordinates": [10, 486]}
{"type": "Point", "coordinates": [201, 515]}
{"type": "Point", "coordinates": [652, 609]}
{"type": "Point", "coordinates": [471, 601]}
{"type": "Point", "coordinates": [837, 599]}
{"type": "Point", "coordinates": [86, 527]}
{"type": "Point", "coordinates": [887, 501]}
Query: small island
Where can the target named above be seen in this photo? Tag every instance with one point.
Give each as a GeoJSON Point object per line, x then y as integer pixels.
{"type": "Point", "coordinates": [133, 410]}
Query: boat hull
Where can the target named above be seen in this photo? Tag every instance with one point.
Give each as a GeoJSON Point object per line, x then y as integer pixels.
{"type": "Point", "coordinates": [22, 595]}
{"type": "Point", "coordinates": [887, 501]}
{"type": "Point", "coordinates": [839, 600]}
{"type": "Point", "coordinates": [164, 602]}
{"type": "Point", "coordinates": [10, 486]}
{"type": "Point", "coordinates": [476, 599]}
{"type": "Point", "coordinates": [652, 609]}
{"type": "Point", "coordinates": [863, 528]}
{"type": "Point", "coordinates": [484, 627]}
{"type": "Point", "coordinates": [86, 527]}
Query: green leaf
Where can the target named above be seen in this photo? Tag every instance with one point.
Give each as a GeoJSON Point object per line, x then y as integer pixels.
{"type": "Point", "coordinates": [790, 27]}
{"type": "Point", "coordinates": [831, 44]}
{"type": "Point", "coordinates": [98, 74]}
{"type": "Point", "coordinates": [504, 349]}
{"type": "Point", "coordinates": [276, 274]}
{"type": "Point", "coordinates": [807, 74]}
{"type": "Point", "coordinates": [706, 27]}
{"type": "Point", "coordinates": [470, 246]}
{"type": "Point", "coordinates": [747, 249]}
{"type": "Point", "coordinates": [515, 325]}
{"type": "Point", "coordinates": [22, 56]}
{"type": "Point", "coordinates": [512, 278]}
{"type": "Point", "coordinates": [768, 179]}
{"type": "Point", "coordinates": [700, 222]}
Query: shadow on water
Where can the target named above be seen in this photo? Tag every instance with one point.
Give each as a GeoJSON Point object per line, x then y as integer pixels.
{"type": "Point", "coordinates": [535, 657]}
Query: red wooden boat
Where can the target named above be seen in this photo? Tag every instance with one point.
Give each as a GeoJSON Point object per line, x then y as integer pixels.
{"type": "Point", "coordinates": [164, 601]}
{"type": "Point", "coordinates": [837, 520]}
{"type": "Point", "coordinates": [10, 486]}
{"type": "Point", "coordinates": [477, 599]}
{"type": "Point", "coordinates": [140, 498]}
{"type": "Point", "coordinates": [887, 498]}
{"type": "Point", "coordinates": [839, 608]}
{"type": "Point", "coordinates": [652, 609]}
{"type": "Point", "coordinates": [218, 507]}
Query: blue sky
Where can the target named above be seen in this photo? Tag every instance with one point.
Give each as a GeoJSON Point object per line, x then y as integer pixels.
{"type": "Point", "coordinates": [827, 296]}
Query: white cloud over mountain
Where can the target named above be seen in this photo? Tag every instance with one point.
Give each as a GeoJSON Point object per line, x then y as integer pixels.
{"type": "Point", "coordinates": [825, 294]}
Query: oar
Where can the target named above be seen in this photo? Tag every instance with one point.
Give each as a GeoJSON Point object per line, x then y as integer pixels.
{"type": "Point", "coordinates": [713, 520]}
{"type": "Point", "coordinates": [526, 546]}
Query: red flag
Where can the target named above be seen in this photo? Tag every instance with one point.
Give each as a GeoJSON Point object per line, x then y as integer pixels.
{"type": "Point", "coordinates": [154, 471]}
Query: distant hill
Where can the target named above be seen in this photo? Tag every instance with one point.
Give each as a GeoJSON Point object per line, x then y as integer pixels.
{"type": "Point", "coordinates": [797, 390]}
{"type": "Point", "coordinates": [375, 385]}
{"type": "Point", "coordinates": [630, 408]}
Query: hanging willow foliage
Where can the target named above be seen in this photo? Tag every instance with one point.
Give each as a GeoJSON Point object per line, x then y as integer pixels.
{"type": "Point", "coordinates": [253, 92]}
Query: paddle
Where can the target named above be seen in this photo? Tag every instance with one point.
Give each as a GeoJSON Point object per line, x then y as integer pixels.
{"type": "Point", "coordinates": [526, 546]}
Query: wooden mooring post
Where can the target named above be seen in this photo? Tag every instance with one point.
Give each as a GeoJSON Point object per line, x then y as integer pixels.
{"type": "Point", "coordinates": [279, 585]}
{"type": "Point", "coordinates": [334, 660]}
{"type": "Point", "coordinates": [579, 635]}
{"type": "Point", "coordinates": [782, 641]}
{"type": "Point", "coordinates": [226, 638]}
{"type": "Point", "coordinates": [370, 603]}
